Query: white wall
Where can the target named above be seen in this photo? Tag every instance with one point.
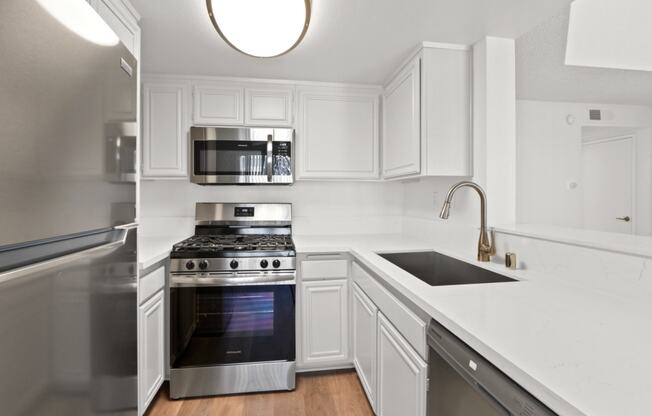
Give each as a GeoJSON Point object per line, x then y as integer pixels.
{"type": "Point", "coordinates": [318, 207]}
{"type": "Point", "coordinates": [549, 154]}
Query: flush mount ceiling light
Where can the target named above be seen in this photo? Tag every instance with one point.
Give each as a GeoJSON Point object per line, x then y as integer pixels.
{"type": "Point", "coordinates": [82, 19]}
{"type": "Point", "coordinates": [260, 28]}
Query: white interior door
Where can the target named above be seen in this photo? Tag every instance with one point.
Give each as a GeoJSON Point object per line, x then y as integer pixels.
{"type": "Point", "coordinates": [608, 185]}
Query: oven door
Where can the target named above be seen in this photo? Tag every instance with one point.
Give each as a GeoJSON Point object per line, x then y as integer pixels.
{"type": "Point", "coordinates": [254, 161]}
{"type": "Point", "coordinates": [216, 325]}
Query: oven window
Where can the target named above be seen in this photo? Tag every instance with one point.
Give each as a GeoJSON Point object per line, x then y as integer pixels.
{"type": "Point", "coordinates": [235, 314]}
{"type": "Point", "coordinates": [228, 325]}
{"type": "Point", "coordinates": [230, 157]}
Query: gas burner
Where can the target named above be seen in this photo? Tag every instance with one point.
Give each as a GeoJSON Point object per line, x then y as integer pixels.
{"type": "Point", "coordinates": [232, 238]}
{"type": "Point", "coordinates": [213, 245]}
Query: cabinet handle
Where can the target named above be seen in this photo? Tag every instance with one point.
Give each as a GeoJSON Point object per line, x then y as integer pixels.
{"type": "Point", "coordinates": [626, 219]}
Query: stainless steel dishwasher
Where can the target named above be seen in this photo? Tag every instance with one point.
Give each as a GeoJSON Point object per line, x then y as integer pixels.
{"type": "Point", "coordinates": [462, 383]}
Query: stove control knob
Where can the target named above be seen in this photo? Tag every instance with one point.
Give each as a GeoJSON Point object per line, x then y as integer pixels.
{"type": "Point", "coordinates": [203, 265]}
{"type": "Point", "coordinates": [190, 265]}
{"type": "Point", "coordinates": [234, 264]}
{"type": "Point", "coordinates": [264, 264]}
{"type": "Point", "coordinates": [276, 264]}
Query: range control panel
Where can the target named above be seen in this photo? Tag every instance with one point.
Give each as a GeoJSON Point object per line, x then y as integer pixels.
{"type": "Point", "coordinates": [244, 211]}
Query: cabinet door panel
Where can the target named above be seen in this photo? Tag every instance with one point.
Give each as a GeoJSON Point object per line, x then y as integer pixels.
{"type": "Point", "coordinates": [446, 114]}
{"type": "Point", "coordinates": [401, 124]}
{"type": "Point", "coordinates": [337, 135]}
{"type": "Point", "coordinates": [165, 130]}
{"type": "Point", "coordinates": [401, 375]}
{"type": "Point", "coordinates": [268, 107]}
{"type": "Point", "coordinates": [325, 322]}
{"type": "Point", "coordinates": [151, 354]}
{"type": "Point", "coordinates": [364, 342]}
{"type": "Point", "coordinates": [217, 105]}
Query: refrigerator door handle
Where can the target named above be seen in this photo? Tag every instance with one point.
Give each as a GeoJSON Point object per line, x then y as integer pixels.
{"type": "Point", "coordinates": [129, 226]}
{"type": "Point", "coordinates": [49, 264]}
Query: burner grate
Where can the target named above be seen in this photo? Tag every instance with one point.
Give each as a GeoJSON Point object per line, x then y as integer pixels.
{"type": "Point", "coordinates": [217, 243]}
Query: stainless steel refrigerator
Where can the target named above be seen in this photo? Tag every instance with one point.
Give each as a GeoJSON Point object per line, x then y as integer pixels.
{"type": "Point", "coordinates": [68, 303]}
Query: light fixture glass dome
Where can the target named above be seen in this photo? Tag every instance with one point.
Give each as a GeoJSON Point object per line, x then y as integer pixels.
{"type": "Point", "coordinates": [260, 28]}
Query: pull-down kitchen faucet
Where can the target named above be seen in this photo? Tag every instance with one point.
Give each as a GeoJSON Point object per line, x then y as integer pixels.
{"type": "Point", "coordinates": [486, 247]}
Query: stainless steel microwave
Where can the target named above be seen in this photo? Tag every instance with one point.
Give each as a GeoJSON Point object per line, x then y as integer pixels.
{"type": "Point", "coordinates": [241, 155]}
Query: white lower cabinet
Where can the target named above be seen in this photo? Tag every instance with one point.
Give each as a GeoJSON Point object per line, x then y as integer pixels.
{"type": "Point", "coordinates": [151, 354]}
{"type": "Point", "coordinates": [324, 323]}
{"type": "Point", "coordinates": [402, 374]}
{"type": "Point", "coordinates": [364, 317]}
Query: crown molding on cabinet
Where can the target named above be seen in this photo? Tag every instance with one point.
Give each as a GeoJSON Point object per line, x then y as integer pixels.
{"type": "Point", "coordinates": [160, 77]}
{"type": "Point", "coordinates": [416, 51]}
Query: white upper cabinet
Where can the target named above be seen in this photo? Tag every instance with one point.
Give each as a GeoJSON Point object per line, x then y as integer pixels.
{"type": "Point", "coordinates": [268, 106]}
{"type": "Point", "coordinates": [401, 123]}
{"type": "Point", "coordinates": [337, 133]}
{"type": "Point", "coordinates": [218, 105]}
{"type": "Point", "coordinates": [165, 129]}
{"type": "Point", "coordinates": [427, 115]}
{"type": "Point", "coordinates": [226, 104]}
{"type": "Point", "coordinates": [446, 111]}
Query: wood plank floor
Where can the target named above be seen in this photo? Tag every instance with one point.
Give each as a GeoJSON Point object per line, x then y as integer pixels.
{"type": "Point", "coordinates": [338, 393]}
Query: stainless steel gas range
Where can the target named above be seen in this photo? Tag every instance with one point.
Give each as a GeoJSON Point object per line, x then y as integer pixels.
{"type": "Point", "coordinates": [232, 302]}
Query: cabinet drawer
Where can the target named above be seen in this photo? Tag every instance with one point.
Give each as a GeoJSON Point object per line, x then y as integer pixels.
{"type": "Point", "coordinates": [151, 284]}
{"type": "Point", "coordinates": [408, 324]}
{"type": "Point", "coordinates": [324, 269]}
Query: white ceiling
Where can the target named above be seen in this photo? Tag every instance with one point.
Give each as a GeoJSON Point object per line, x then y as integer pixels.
{"type": "Point", "coordinates": [358, 41]}
{"type": "Point", "coordinates": [542, 75]}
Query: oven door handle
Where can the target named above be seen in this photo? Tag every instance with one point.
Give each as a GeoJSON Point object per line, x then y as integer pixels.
{"type": "Point", "coordinates": [232, 279]}
{"type": "Point", "coordinates": [270, 151]}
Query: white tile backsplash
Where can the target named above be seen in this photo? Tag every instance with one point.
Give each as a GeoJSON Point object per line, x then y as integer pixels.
{"type": "Point", "coordinates": [408, 207]}
{"type": "Point", "coordinates": [317, 207]}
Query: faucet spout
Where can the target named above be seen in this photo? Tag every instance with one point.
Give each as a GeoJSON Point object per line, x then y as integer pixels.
{"type": "Point", "coordinates": [486, 247]}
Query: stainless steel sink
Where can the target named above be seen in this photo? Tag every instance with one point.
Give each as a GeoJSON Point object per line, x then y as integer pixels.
{"type": "Point", "coordinates": [439, 270]}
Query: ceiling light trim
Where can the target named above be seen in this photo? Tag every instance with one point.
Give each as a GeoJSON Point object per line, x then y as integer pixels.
{"type": "Point", "coordinates": [306, 23]}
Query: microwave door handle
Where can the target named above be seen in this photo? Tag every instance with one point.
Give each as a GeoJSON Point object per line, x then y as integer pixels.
{"type": "Point", "coordinates": [269, 158]}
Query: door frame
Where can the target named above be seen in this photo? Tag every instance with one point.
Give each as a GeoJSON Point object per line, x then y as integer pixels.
{"type": "Point", "coordinates": [633, 138]}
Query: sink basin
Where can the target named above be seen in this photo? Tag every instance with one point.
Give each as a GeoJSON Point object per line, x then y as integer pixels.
{"type": "Point", "coordinates": [436, 269]}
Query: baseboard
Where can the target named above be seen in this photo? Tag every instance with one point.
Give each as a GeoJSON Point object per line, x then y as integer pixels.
{"type": "Point", "coordinates": [347, 366]}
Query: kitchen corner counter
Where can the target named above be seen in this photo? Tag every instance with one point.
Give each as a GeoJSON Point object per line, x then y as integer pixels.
{"type": "Point", "coordinates": [153, 249]}
{"type": "Point", "coordinates": [579, 351]}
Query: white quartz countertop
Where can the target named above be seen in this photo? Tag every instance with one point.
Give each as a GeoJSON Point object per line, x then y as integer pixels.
{"type": "Point", "coordinates": [152, 249]}
{"type": "Point", "coordinates": [579, 351]}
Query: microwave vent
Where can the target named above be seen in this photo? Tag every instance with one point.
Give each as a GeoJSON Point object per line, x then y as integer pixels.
{"type": "Point", "coordinates": [595, 115]}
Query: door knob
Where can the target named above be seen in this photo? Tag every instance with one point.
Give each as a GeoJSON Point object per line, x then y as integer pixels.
{"type": "Point", "coordinates": [626, 219]}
